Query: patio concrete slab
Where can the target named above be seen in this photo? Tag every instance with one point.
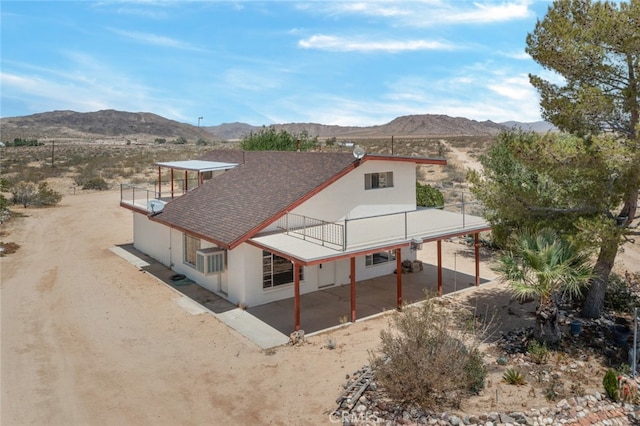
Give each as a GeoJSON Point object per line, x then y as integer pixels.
{"type": "Point", "coordinates": [331, 307]}
{"type": "Point", "coordinates": [269, 325]}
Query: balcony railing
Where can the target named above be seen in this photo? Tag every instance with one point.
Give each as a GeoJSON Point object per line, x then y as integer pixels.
{"type": "Point", "coordinates": [138, 196]}
{"type": "Point", "coordinates": [403, 226]}
{"type": "Point", "coordinates": [325, 233]}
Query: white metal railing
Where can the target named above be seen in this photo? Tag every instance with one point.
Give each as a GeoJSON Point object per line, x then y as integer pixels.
{"type": "Point", "coordinates": [401, 226]}
{"type": "Point", "coordinates": [316, 230]}
{"type": "Point", "coordinates": [136, 196]}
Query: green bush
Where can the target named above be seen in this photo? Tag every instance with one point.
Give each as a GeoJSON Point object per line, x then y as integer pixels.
{"type": "Point", "coordinates": [269, 139]}
{"type": "Point", "coordinates": [610, 383]}
{"type": "Point", "coordinates": [422, 361]}
{"type": "Point", "coordinates": [538, 352]}
{"type": "Point", "coordinates": [428, 196]}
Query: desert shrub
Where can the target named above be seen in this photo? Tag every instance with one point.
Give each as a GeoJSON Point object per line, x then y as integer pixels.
{"type": "Point", "coordinates": [513, 377]}
{"type": "Point", "coordinates": [424, 362]}
{"type": "Point", "coordinates": [610, 383]}
{"type": "Point", "coordinates": [554, 391]}
{"type": "Point", "coordinates": [24, 193]}
{"type": "Point", "coordinates": [8, 248]}
{"type": "Point", "coordinates": [180, 140]}
{"type": "Point", "coordinates": [96, 183]}
{"type": "Point", "coordinates": [538, 352]}
{"type": "Point", "coordinates": [622, 293]}
{"type": "Point", "coordinates": [47, 196]}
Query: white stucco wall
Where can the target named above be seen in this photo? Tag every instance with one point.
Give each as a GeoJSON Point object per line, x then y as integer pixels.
{"type": "Point", "coordinates": [151, 238]}
{"type": "Point", "coordinates": [347, 197]}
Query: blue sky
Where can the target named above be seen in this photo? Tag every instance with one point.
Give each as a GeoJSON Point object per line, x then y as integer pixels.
{"type": "Point", "coordinates": [344, 63]}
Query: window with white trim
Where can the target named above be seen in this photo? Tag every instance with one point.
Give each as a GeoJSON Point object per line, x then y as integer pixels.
{"type": "Point", "coordinates": [277, 271]}
{"type": "Point", "coordinates": [380, 258]}
{"type": "Point", "coordinates": [210, 261]}
{"type": "Point", "coordinates": [378, 180]}
{"type": "Point", "coordinates": [190, 247]}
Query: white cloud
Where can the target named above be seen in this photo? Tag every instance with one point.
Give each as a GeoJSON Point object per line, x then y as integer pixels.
{"type": "Point", "coordinates": [516, 88]}
{"type": "Point", "coordinates": [157, 40]}
{"type": "Point", "coordinates": [518, 55]}
{"type": "Point", "coordinates": [431, 12]}
{"type": "Point", "coordinates": [342, 44]}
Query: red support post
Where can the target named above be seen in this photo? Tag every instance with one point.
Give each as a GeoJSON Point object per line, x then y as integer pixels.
{"type": "Point", "coordinates": [353, 289]}
{"type": "Point", "coordinates": [172, 183]}
{"type": "Point", "coordinates": [476, 246]}
{"type": "Point", "coordinates": [439, 267]}
{"type": "Point", "coordinates": [399, 278]}
{"type": "Point", "coordinates": [186, 181]}
{"type": "Point", "coordinates": [159, 183]}
{"type": "Point", "coordinates": [296, 296]}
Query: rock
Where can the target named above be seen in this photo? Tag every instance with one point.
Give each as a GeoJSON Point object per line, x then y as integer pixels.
{"type": "Point", "coordinates": [505, 418]}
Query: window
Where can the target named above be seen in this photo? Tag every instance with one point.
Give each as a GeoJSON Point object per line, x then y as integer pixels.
{"type": "Point", "coordinates": [210, 261]}
{"type": "Point", "coordinates": [378, 180]}
{"type": "Point", "coordinates": [380, 257]}
{"type": "Point", "coordinates": [277, 271]}
{"type": "Point", "coordinates": [191, 246]}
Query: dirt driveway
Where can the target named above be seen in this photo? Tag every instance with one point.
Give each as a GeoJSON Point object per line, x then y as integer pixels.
{"type": "Point", "coordinates": [87, 339]}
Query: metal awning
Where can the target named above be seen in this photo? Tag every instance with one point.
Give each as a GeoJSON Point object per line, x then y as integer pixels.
{"type": "Point", "coordinates": [197, 165]}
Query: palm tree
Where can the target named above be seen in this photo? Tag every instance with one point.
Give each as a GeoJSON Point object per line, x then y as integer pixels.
{"type": "Point", "coordinates": [545, 266]}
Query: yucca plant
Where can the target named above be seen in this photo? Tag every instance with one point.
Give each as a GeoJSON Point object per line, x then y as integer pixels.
{"type": "Point", "coordinates": [514, 377]}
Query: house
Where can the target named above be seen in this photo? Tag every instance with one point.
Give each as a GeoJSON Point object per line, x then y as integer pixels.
{"type": "Point", "coordinates": [260, 226]}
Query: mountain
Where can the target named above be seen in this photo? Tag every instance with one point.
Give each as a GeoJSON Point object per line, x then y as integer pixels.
{"type": "Point", "coordinates": [145, 127]}
{"type": "Point", "coordinates": [536, 126]}
{"type": "Point", "coordinates": [410, 125]}
{"type": "Point", "coordinates": [109, 124]}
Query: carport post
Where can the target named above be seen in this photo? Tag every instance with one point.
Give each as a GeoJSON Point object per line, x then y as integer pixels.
{"type": "Point", "coordinates": [353, 289]}
{"type": "Point", "coordinates": [172, 183]}
{"type": "Point", "coordinates": [159, 183]}
{"type": "Point", "coordinates": [399, 277]}
{"type": "Point", "coordinates": [476, 247]}
{"type": "Point", "coordinates": [296, 295]}
{"type": "Point", "coordinates": [439, 267]}
{"type": "Point", "coordinates": [186, 181]}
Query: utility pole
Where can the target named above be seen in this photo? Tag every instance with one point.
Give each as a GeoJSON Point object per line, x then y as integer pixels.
{"type": "Point", "coordinates": [199, 118]}
{"type": "Point", "coordinates": [53, 152]}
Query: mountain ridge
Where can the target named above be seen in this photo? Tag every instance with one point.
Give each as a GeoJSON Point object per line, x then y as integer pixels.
{"type": "Point", "coordinates": [113, 124]}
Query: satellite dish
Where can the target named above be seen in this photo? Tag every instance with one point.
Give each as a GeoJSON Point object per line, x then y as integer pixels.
{"type": "Point", "coordinates": [155, 206]}
{"type": "Point", "coordinates": [358, 152]}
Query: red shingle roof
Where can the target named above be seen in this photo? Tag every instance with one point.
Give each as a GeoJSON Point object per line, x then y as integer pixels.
{"type": "Point", "coordinates": [233, 206]}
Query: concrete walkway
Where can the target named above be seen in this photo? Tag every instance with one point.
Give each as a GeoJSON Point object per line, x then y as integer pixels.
{"type": "Point", "coordinates": [197, 300]}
